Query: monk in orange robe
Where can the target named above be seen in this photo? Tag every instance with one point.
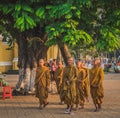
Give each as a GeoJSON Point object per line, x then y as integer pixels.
{"type": "Point", "coordinates": [58, 79]}
{"type": "Point", "coordinates": [69, 85]}
{"type": "Point", "coordinates": [86, 82]}
{"type": "Point", "coordinates": [42, 83]}
{"type": "Point", "coordinates": [96, 76]}
{"type": "Point", "coordinates": [81, 85]}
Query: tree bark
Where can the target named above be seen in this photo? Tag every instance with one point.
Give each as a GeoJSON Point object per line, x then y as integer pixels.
{"type": "Point", "coordinates": [64, 51]}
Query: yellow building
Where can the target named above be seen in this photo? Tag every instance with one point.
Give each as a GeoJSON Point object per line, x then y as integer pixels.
{"type": "Point", "coordinates": [9, 58]}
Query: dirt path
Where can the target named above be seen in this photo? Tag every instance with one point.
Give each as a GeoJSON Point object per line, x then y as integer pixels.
{"type": "Point", "coordinates": [27, 106]}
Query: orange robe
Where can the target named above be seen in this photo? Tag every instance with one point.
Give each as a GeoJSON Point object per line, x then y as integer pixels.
{"type": "Point", "coordinates": [86, 82]}
{"type": "Point", "coordinates": [42, 81]}
{"type": "Point", "coordinates": [58, 78]}
{"type": "Point", "coordinates": [81, 86]}
{"type": "Point", "coordinates": [69, 85]}
{"type": "Point", "coordinates": [96, 76]}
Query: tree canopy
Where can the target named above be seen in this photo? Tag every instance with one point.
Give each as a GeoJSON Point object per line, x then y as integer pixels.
{"type": "Point", "coordinates": [85, 23]}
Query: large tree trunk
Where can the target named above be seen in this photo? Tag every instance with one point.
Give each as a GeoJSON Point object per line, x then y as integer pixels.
{"type": "Point", "coordinates": [23, 64]}
{"type": "Point", "coordinates": [27, 57]}
{"type": "Point", "coordinates": [26, 80]}
{"type": "Point", "coordinates": [64, 51]}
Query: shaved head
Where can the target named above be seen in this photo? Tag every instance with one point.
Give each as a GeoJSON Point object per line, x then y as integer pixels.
{"type": "Point", "coordinates": [41, 62]}
{"type": "Point", "coordinates": [96, 62]}
{"type": "Point", "coordinates": [70, 60]}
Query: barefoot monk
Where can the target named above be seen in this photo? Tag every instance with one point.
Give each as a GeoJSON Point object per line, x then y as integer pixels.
{"type": "Point", "coordinates": [42, 83]}
{"type": "Point", "coordinates": [96, 76]}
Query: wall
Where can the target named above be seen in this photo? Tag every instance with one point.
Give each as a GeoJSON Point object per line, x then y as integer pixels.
{"type": "Point", "coordinates": [6, 57]}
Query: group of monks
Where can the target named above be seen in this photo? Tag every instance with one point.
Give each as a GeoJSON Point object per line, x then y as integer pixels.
{"type": "Point", "coordinates": [73, 84]}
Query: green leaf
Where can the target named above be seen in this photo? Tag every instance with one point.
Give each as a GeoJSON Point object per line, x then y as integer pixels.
{"type": "Point", "coordinates": [18, 7]}
{"type": "Point", "coordinates": [30, 21]}
{"type": "Point", "coordinates": [19, 21]}
{"type": "Point", "coordinates": [52, 29]}
{"type": "Point", "coordinates": [68, 16]}
{"type": "Point", "coordinates": [40, 12]}
{"type": "Point", "coordinates": [78, 13]}
{"type": "Point", "coordinates": [27, 26]}
{"type": "Point", "coordinates": [73, 7]}
{"type": "Point", "coordinates": [27, 8]}
{"type": "Point", "coordinates": [22, 27]}
{"type": "Point", "coordinates": [49, 6]}
{"type": "Point", "coordinates": [15, 15]}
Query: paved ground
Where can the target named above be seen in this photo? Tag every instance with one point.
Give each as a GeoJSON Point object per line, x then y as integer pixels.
{"type": "Point", "coordinates": [27, 106]}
